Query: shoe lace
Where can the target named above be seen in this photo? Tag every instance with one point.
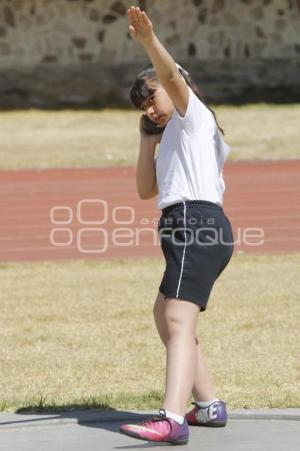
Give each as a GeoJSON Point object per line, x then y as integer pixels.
{"type": "Point", "coordinates": [155, 420]}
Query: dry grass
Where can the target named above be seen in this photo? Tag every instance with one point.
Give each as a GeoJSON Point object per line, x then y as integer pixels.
{"type": "Point", "coordinates": [47, 139]}
{"type": "Point", "coordinates": [82, 334]}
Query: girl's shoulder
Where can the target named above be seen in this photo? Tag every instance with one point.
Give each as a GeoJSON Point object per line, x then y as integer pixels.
{"type": "Point", "coordinates": [196, 116]}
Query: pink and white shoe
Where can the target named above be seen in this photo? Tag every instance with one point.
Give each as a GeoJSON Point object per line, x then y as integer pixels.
{"type": "Point", "coordinates": [159, 429]}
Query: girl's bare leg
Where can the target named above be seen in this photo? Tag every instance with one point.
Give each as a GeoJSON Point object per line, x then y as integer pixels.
{"type": "Point", "coordinates": [181, 318]}
{"type": "Point", "coordinates": [202, 387]}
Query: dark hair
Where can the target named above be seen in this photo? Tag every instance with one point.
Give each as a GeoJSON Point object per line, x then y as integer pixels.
{"type": "Point", "coordinates": [140, 90]}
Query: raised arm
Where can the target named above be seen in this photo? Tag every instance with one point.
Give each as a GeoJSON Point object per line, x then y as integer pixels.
{"type": "Point", "coordinates": [141, 30]}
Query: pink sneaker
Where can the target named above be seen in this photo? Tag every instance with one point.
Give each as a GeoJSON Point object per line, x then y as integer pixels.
{"type": "Point", "coordinates": [159, 429]}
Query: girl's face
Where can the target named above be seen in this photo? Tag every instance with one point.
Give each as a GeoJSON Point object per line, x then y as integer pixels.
{"type": "Point", "coordinates": [158, 107]}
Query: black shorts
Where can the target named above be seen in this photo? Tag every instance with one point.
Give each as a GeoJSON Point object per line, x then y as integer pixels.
{"type": "Point", "coordinates": [197, 243]}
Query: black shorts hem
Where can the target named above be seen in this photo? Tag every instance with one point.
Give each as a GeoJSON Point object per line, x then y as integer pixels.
{"type": "Point", "coordinates": [201, 304]}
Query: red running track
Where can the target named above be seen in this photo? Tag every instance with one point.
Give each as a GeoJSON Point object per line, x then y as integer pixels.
{"type": "Point", "coordinates": [96, 213]}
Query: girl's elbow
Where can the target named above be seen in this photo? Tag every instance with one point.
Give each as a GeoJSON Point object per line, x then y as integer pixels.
{"type": "Point", "coordinates": [145, 196]}
{"type": "Point", "coordinates": [147, 192]}
{"type": "Point", "coordinates": [141, 193]}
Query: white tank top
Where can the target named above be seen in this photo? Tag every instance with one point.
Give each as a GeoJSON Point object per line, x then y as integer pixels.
{"type": "Point", "coordinates": [191, 157]}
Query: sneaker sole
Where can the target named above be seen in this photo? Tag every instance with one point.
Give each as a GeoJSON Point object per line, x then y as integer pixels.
{"type": "Point", "coordinates": [218, 424]}
{"type": "Point", "coordinates": [173, 442]}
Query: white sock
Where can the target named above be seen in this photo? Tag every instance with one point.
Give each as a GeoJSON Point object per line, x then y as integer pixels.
{"type": "Point", "coordinates": [206, 403]}
{"type": "Point", "coordinates": [177, 418]}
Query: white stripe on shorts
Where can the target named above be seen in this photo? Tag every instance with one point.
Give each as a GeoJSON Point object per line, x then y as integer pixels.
{"type": "Point", "coordinates": [183, 255]}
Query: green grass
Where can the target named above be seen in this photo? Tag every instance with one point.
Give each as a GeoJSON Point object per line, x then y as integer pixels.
{"type": "Point", "coordinates": [81, 334]}
{"type": "Point", "coordinates": [49, 139]}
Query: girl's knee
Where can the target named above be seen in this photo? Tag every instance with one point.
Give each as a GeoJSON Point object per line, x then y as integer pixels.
{"type": "Point", "coordinates": [181, 311]}
{"type": "Point", "coordinates": [176, 324]}
{"type": "Point", "coordinates": [181, 316]}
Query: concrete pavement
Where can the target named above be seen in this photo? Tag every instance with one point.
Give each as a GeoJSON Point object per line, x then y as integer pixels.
{"type": "Point", "coordinates": [247, 430]}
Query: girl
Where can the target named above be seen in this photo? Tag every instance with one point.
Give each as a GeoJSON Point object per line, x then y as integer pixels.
{"type": "Point", "coordinates": [195, 234]}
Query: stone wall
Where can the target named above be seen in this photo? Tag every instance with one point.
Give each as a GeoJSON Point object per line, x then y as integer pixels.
{"type": "Point", "coordinates": [78, 52]}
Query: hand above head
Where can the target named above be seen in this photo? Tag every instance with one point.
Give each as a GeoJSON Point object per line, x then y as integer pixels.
{"type": "Point", "coordinates": [140, 26]}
